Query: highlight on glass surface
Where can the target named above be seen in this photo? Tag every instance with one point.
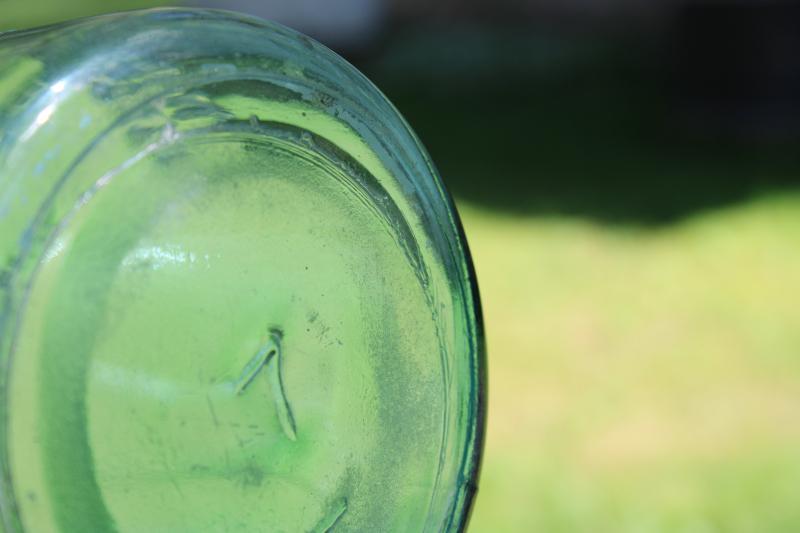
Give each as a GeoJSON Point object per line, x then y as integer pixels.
{"type": "Point", "coordinates": [234, 295]}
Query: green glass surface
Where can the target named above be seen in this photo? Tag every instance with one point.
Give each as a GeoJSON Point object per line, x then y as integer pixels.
{"type": "Point", "coordinates": [235, 296]}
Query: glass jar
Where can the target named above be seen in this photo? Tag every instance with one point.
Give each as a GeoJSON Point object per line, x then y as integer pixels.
{"type": "Point", "coordinates": [234, 294]}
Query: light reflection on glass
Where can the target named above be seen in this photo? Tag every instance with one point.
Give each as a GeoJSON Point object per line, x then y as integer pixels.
{"type": "Point", "coordinates": [41, 119]}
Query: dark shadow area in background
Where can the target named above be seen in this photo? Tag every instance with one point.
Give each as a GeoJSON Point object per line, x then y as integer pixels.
{"type": "Point", "coordinates": [618, 126]}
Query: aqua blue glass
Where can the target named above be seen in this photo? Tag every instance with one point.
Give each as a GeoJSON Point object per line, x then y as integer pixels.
{"type": "Point", "coordinates": [234, 294]}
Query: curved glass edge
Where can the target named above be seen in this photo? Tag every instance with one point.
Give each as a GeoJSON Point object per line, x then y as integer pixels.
{"type": "Point", "coordinates": [22, 104]}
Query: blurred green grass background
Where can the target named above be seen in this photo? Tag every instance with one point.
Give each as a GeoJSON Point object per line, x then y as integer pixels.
{"type": "Point", "coordinates": [641, 379]}
{"type": "Point", "coordinates": [640, 285]}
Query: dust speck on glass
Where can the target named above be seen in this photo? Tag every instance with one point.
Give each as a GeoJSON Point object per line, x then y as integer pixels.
{"type": "Point", "coordinates": [234, 295]}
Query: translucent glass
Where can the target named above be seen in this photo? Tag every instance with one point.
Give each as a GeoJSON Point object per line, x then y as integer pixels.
{"type": "Point", "coordinates": [234, 295]}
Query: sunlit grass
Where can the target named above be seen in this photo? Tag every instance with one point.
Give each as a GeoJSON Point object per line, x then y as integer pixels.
{"type": "Point", "coordinates": [642, 379]}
